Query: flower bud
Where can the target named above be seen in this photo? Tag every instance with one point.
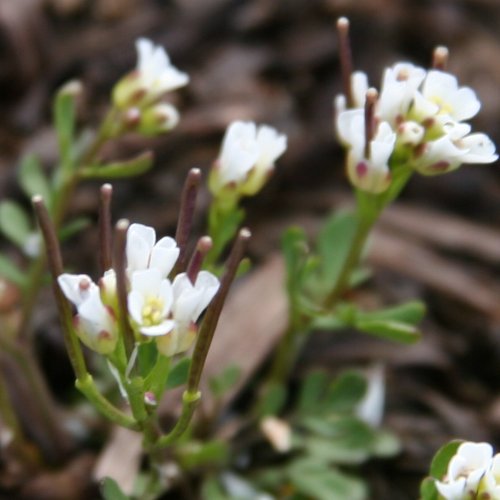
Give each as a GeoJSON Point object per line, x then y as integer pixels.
{"type": "Point", "coordinates": [158, 119]}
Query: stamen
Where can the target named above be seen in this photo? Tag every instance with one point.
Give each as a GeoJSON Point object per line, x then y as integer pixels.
{"type": "Point", "coordinates": [345, 56]}
{"type": "Point", "coordinates": [371, 101]}
{"type": "Point", "coordinates": [440, 58]}
{"type": "Point", "coordinates": [202, 248]}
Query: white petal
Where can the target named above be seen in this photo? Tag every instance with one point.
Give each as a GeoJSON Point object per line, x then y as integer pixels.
{"type": "Point", "coordinates": [156, 330]}
{"type": "Point", "coordinates": [135, 305]}
{"type": "Point", "coordinates": [146, 282]}
{"type": "Point", "coordinates": [164, 255]}
{"type": "Point", "coordinates": [76, 287]}
{"type": "Point", "coordinates": [439, 84]}
{"type": "Point", "coordinates": [481, 149]}
{"type": "Point", "coordinates": [208, 285]}
{"type": "Point", "coordinates": [465, 104]}
{"type": "Point", "coordinates": [452, 491]}
{"type": "Point", "coordinates": [167, 296]}
{"type": "Point", "coordinates": [371, 408]}
{"type": "Point", "coordinates": [271, 146]}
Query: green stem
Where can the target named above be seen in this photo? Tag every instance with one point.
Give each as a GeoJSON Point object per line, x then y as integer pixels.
{"type": "Point", "coordinates": [190, 401]}
{"type": "Point", "coordinates": [87, 387]}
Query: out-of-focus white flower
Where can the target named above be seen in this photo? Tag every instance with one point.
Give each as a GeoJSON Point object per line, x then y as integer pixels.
{"type": "Point", "coordinates": [95, 323]}
{"type": "Point", "coordinates": [465, 471]}
{"type": "Point", "coordinates": [371, 408]}
{"type": "Point", "coordinates": [32, 245]}
{"type": "Point", "coordinates": [153, 77]}
{"type": "Point", "coordinates": [370, 173]}
{"type": "Point", "coordinates": [278, 433]}
{"type": "Point", "coordinates": [157, 119]}
{"type": "Point", "coordinates": [150, 302]}
{"type": "Point", "coordinates": [144, 252]}
{"type": "Point", "coordinates": [189, 301]}
{"type": "Point", "coordinates": [247, 158]}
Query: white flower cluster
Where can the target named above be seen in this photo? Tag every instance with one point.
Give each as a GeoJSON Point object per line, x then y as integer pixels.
{"type": "Point", "coordinates": [157, 307]}
{"type": "Point", "coordinates": [138, 93]}
{"type": "Point", "coordinates": [418, 120]}
{"type": "Point", "coordinates": [246, 159]}
{"type": "Point", "coordinates": [473, 473]}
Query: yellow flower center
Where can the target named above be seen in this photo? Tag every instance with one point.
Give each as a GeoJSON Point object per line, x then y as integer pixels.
{"type": "Point", "coordinates": [152, 311]}
{"type": "Point", "coordinates": [444, 107]}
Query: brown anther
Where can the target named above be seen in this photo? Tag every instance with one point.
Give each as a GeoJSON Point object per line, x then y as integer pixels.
{"type": "Point", "coordinates": [84, 284]}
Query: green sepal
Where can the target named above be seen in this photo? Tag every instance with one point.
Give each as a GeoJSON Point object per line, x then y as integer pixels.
{"type": "Point", "coordinates": [428, 490]}
{"type": "Point", "coordinates": [179, 373]}
{"type": "Point", "coordinates": [32, 178]}
{"type": "Point", "coordinates": [11, 272]}
{"type": "Point", "coordinates": [439, 464]}
{"type": "Point", "coordinates": [120, 169]}
{"type": "Point", "coordinates": [14, 222]}
{"type": "Point", "coordinates": [111, 491]}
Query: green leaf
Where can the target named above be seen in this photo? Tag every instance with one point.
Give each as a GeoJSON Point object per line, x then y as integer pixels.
{"type": "Point", "coordinates": [334, 243]}
{"type": "Point", "coordinates": [391, 330]}
{"type": "Point", "coordinates": [111, 491]}
{"type": "Point", "coordinates": [64, 111]}
{"type": "Point", "coordinates": [179, 373]}
{"type": "Point", "coordinates": [11, 272]}
{"type": "Point", "coordinates": [344, 440]}
{"type": "Point", "coordinates": [439, 464]}
{"type": "Point", "coordinates": [212, 490]}
{"type": "Point", "coordinates": [346, 391]}
{"type": "Point", "coordinates": [120, 169]}
{"type": "Point", "coordinates": [411, 312]}
{"type": "Point", "coordinates": [14, 222]}
{"type": "Point", "coordinates": [223, 382]}
{"type": "Point", "coordinates": [273, 400]}
{"type": "Point", "coordinates": [313, 479]}
{"type": "Point", "coordinates": [32, 178]}
{"type": "Point", "coordinates": [312, 392]}
{"type": "Point", "coordinates": [73, 227]}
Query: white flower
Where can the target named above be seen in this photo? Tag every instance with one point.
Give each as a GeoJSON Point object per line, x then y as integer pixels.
{"type": "Point", "coordinates": [371, 408]}
{"type": "Point", "coordinates": [465, 470]}
{"type": "Point", "coordinates": [150, 302]}
{"type": "Point", "coordinates": [154, 76]}
{"type": "Point", "coordinates": [370, 174]}
{"type": "Point", "coordinates": [155, 68]}
{"type": "Point", "coordinates": [398, 88]}
{"type": "Point", "coordinates": [189, 301]}
{"type": "Point", "coordinates": [442, 96]}
{"type": "Point", "coordinates": [144, 252]}
{"type": "Point", "coordinates": [359, 86]}
{"type": "Point", "coordinates": [95, 323]}
{"type": "Point", "coordinates": [247, 157]}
